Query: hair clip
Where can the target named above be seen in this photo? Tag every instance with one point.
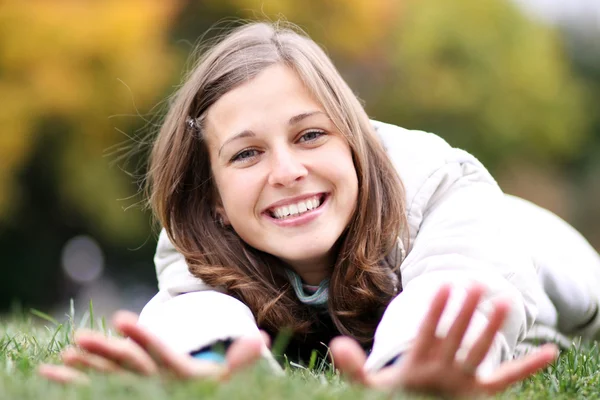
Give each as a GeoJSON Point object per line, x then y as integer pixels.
{"type": "Point", "coordinates": [192, 123]}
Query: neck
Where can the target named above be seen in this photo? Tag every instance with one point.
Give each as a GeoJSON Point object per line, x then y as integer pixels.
{"type": "Point", "coordinates": [312, 272]}
{"type": "Point", "coordinates": [313, 277]}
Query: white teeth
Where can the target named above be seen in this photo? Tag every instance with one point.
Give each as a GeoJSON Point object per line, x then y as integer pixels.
{"type": "Point", "coordinates": [296, 209]}
{"type": "Point", "coordinates": [302, 207]}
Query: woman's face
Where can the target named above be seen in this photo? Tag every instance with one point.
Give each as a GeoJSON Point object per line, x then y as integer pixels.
{"type": "Point", "coordinates": [285, 175]}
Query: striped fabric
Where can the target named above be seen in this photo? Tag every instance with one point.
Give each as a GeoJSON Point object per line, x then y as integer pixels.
{"type": "Point", "coordinates": [309, 294]}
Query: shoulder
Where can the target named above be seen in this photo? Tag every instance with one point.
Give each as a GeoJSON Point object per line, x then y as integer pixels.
{"type": "Point", "coordinates": [417, 155]}
{"type": "Point", "coordinates": [172, 271]}
{"type": "Point", "coordinates": [430, 168]}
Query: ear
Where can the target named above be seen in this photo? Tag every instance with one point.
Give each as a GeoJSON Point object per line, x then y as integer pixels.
{"type": "Point", "coordinates": [220, 212]}
{"type": "Point", "coordinates": [222, 215]}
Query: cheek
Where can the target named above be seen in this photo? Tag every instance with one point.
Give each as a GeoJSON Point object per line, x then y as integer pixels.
{"type": "Point", "coordinates": [351, 182]}
{"type": "Point", "coordinates": [231, 187]}
{"type": "Point", "coordinates": [340, 171]}
{"type": "Point", "coordinates": [343, 171]}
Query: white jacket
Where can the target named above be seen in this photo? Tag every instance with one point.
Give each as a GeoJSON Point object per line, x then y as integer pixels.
{"type": "Point", "coordinates": [459, 233]}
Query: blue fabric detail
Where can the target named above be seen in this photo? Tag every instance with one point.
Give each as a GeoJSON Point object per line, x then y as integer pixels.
{"type": "Point", "coordinates": [318, 298]}
{"type": "Point", "coordinates": [209, 355]}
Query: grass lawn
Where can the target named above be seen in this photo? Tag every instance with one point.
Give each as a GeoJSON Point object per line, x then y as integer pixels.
{"type": "Point", "coordinates": [26, 341]}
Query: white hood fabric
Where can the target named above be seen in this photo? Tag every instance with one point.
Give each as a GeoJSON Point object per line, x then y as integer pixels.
{"type": "Point", "coordinates": [460, 233]}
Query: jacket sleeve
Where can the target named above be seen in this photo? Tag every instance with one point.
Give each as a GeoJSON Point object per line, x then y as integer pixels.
{"type": "Point", "coordinates": [187, 314]}
{"type": "Point", "coordinates": [456, 217]}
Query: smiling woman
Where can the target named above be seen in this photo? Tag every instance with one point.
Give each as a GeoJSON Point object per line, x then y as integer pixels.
{"type": "Point", "coordinates": [293, 154]}
{"type": "Point", "coordinates": [284, 207]}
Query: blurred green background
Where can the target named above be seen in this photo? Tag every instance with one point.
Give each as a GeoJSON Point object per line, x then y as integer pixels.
{"type": "Point", "coordinates": [517, 83]}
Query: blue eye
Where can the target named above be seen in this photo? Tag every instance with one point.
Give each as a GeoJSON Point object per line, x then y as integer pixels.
{"type": "Point", "coordinates": [245, 155]}
{"type": "Point", "coordinates": [311, 136]}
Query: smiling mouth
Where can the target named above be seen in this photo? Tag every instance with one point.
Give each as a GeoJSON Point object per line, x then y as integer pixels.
{"type": "Point", "coordinates": [297, 209]}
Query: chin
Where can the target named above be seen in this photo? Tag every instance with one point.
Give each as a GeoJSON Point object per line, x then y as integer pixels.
{"type": "Point", "coordinates": [303, 257]}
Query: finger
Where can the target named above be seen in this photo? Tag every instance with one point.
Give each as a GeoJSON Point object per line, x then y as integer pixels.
{"type": "Point", "coordinates": [349, 358]}
{"type": "Point", "coordinates": [84, 360]}
{"type": "Point", "coordinates": [62, 374]}
{"type": "Point", "coordinates": [429, 325]}
{"type": "Point", "coordinates": [517, 370]}
{"type": "Point", "coordinates": [181, 365]}
{"type": "Point", "coordinates": [243, 353]}
{"type": "Point", "coordinates": [127, 324]}
{"type": "Point", "coordinates": [386, 378]}
{"type": "Point", "coordinates": [455, 335]}
{"type": "Point", "coordinates": [125, 353]}
{"type": "Point", "coordinates": [482, 345]}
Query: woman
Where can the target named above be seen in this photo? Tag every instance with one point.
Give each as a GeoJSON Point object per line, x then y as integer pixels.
{"type": "Point", "coordinates": [289, 209]}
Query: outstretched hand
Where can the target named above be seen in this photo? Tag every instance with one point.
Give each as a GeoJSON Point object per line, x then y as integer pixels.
{"type": "Point", "coordinates": [430, 366]}
{"type": "Point", "coordinates": [143, 353]}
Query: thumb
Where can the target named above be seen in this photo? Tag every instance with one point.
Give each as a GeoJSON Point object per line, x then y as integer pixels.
{"type": "Point", "coordinates": [243, 353]}
{"type": "Point", "coordinates": [349, 358]}
{"type": "Point", "coordinates": [62, 374]}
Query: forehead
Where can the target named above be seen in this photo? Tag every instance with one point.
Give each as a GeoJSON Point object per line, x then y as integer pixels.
{"type": "Point", "coordinates": [266, 101]}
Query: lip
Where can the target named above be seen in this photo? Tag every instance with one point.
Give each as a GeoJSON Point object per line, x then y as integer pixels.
{"type": "Point", "coordinates": [300, 219]}
{"type": "Point", "coordinates": [293, 200]}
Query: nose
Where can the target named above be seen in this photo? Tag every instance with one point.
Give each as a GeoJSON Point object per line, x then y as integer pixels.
{"type": "Point", "coordinates": [286, 168]}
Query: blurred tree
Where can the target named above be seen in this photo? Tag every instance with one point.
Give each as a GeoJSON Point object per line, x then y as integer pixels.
{"type": "Point", "coordinates": [66, 67]}
{"type": "Point", "coordinates": [485, 77]}
{"type": "Point", "coordinates": [584, 52]}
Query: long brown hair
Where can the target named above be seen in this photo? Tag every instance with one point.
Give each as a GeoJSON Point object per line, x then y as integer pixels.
{"type": "Point", "coordinates": [183, 195]}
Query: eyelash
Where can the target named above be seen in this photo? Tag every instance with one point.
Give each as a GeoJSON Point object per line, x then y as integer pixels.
{"type": "Point", "coordinates": [320, 133]}
{"type": "Point", "coordinates": [238, 159]}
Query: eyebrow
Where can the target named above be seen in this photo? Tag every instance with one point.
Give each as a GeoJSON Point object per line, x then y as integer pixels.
{"type": "Point", "coordinates": [248, 133]}
{"type": "Point", "coordinates": [297, 118]}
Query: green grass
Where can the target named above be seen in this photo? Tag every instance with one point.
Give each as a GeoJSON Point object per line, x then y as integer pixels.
{"type": "Point", "coordinates": [25, 341]}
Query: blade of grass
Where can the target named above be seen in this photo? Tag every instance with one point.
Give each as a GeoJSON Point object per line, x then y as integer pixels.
{"type": "Point", "coordinates": [43, 316]}
{"type": "Point", "coordinates": [91, 315]}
